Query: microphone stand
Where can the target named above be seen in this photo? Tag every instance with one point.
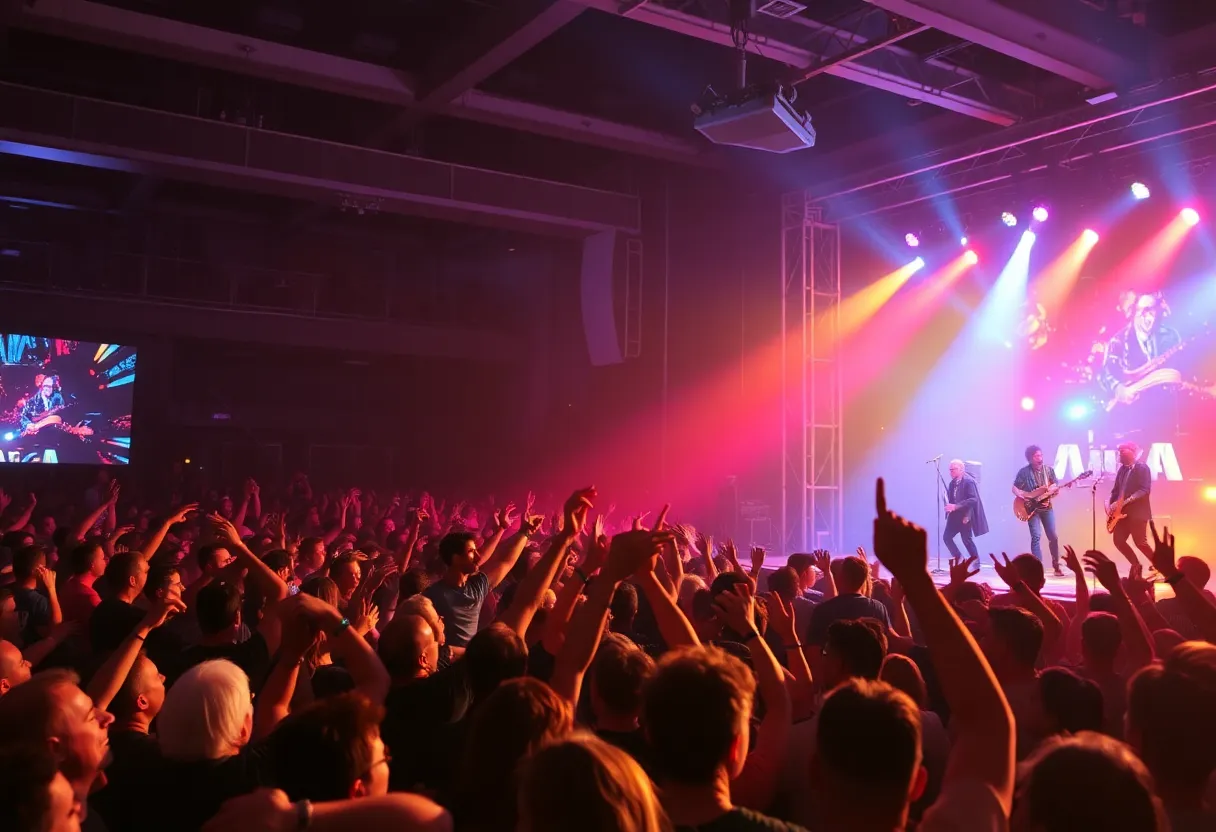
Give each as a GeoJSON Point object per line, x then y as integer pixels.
{"type": "Point", "coordinates": [941, 510]}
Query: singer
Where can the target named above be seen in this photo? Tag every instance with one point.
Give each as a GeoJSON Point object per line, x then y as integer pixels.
{"type": "Point", "coordinates": [964, 511]}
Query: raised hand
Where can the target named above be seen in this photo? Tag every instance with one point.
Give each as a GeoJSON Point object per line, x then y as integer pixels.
{"type": "Point", "coordinates": [634, 553]}
{"type": "Point", "coordinates": [5, 500]}
{"type": "Point", "coordinates": [162, 610]}
{"type": "Point", "coordinates": [737, 608]}
{"type": "Point", "coordinates": [183, 513]}
{"type": "Point", "coordinates": [823, 560]}
{"type": "Point", "coordinates": [46, 578]}
{"type": "Point", "coordinates": [781, 618]}
{"type": "Point", "coordinates": [758, 554]}
{"type": "Point", "coordinates": [1005, 571]}
{"type": "Point", "coordinates": [639, 520]}
{"type": "Point", "coordinates": [1163, 551]}
{"type": "Point", "coordinates": [961, 571]}
{"type": "Point", "coordinates": [503, 519]}
{"type": "Point", "coordinates": [1139, 588]}
{"type": "Point", "coordinates": [224, 530]}
{"type": "Point", "coordinates": [1071, 560]}
{"type": "Point", "coordinates": [1105, 569]}
{"type": "Point", "coordinates": [705, 545]}
{"type": "Point", "coordinates": [574, 512]}
{"type": "Point", "coordinates": [112, 491]}
{"type": "Point", "coordinates": [901, 546]}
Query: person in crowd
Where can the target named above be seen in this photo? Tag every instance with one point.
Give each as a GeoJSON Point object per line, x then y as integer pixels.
{"type": "Point", "coordinates": [34, 794]}
{"type": "Point", "coordinates": [851, 577]}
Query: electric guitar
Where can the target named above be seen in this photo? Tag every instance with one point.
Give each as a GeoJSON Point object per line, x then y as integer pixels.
{"type": "Point", "coordinates": [51, 417]}
{"type": "Point", "coordinates": [1026, 507]}
{"type": "Point", "coordinates": [1115, 513]}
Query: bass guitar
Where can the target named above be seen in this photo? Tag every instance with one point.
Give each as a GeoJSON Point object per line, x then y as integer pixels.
{"type": "Point", "coordinates": [1115, 513]}
{"type": "Point", "coordinates": [1026, 507]}
{"type": "Point", "coordinates": [51, 417]}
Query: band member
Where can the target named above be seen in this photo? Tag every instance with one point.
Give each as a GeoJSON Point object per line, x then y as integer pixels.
{"type": "Point", "coordinates": [1136, 346]}
{"type": "Point", "coordinates": [964, 511]}
{"type": "Point", "coordinates": [1133, 485]}
{"type": "Point", "coordinates": [47, 399]}
{"type": "Point", "coordinates": [1033, 476]}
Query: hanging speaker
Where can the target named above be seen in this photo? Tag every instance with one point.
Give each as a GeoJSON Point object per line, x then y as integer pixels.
{"type": "Point", "coordinates": [598, 300]}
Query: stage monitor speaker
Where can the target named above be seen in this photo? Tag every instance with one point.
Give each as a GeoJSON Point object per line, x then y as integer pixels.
{"type": "Point", "coordinates": [598, 299]}
{"type": "Point", "coordinates": [975, 469]}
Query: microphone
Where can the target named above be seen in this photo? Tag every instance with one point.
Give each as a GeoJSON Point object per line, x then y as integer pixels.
{"type": "Point", "coordinates": [935, 459]}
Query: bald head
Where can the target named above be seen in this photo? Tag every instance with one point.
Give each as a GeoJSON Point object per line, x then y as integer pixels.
{"type": "Point", "coordinates": [409, 648]}
{"type": "Point", "coordinates": [14, 669]}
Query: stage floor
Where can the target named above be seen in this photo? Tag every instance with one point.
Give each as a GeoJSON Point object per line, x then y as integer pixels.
{"type": "Point", "coordinates": [1062, 589]}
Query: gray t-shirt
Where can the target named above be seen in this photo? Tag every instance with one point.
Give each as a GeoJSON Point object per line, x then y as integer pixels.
{"type": "Point", "coordinates": [461, 607]}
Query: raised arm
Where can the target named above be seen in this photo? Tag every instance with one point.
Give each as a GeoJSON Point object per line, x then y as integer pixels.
{"type": "Point", "coordinates": [501, 559]}
{"type": "Point", "coordinates": [531, 590]}
{"type": "Point", "coordinates": [158, 536]}
{"type": "Point", "coordinates": [87, 522]}
{"type": "Point", "coordinates": [1136, 638]}
{"type": "Point", "coordinates": [108, 680]}
{"type": "Point", "coordinates": [984, 746]}
{"type": "Point", "coordinates": [629, 551]}
{"type": "Point", "coordinates": [1195, 604]}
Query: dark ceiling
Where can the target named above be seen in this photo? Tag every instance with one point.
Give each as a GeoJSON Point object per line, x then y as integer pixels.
{"type": "Point", "coordinates": [596, 92]}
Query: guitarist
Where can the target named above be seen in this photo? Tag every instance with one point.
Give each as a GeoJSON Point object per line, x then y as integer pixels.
{"type": "Point", "coordinates": [1136, 346]}
{"type": "Point", "coordinates": [46, 400]}
{"type": "Point", "coordinates": [1036, 475]}
{"type": "Point", "coordinates": [1133, 484]}
{"type": "Point", "coordinates": [964, 511]}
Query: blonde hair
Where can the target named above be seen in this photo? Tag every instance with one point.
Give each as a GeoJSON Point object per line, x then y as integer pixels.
{"type": "Point", "coordinates": [585, 783]}
{"type": "Point", "coordinates": [206, 713]}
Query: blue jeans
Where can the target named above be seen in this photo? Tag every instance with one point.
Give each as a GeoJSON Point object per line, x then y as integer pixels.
{"type": "Point", "coordinates": [1044, 520]}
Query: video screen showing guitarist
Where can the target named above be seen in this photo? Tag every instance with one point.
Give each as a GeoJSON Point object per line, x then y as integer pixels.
{"type": "Point", "coordinates": [1136, 365]}
{"type": "Point", "coordinates": [1129, 509]}
{"type": "Point", "coordinates": [45, 403]}
{"type": "Point", "coordinates": [1039, 477]}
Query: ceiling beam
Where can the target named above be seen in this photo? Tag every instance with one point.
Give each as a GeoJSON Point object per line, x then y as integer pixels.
{"type": "Point", "coordinates": [169, 39]}
{"type": "Point", "coordinates": [71, 129]}
{"type": "Point", "coordinates": [895, 70]}
{"type": "Point", "coordinates": [1072, 40]}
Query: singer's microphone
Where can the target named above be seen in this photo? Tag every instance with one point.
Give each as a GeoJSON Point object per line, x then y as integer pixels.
{"type": "Point", "coordinates": [935, 459]}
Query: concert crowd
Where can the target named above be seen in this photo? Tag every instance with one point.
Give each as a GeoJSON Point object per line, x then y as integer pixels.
{"type": "Point", "coordinates": [301, 658]}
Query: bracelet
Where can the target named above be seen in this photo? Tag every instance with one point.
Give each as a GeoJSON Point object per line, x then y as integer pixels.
{"type": "Point", "coordinates": [582, 576]}
{"type": "Point", "coordinates": [751, 635]}
{"type": "Point", "coordinates": [138, 636]}
{"type": "Point", "coordinates": [1175, 578]}
{"type": "Point", "coordinates": [342, 625]}
{"type": "Point", "coordinates": [303, 814]}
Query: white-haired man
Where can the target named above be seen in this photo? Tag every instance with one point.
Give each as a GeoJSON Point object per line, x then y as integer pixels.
{"type": "Point", "coordinates": [965, 516]}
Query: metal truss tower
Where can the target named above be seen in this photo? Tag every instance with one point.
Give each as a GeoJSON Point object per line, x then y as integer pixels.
{"type": "Point", "coordinates": [812, 448]}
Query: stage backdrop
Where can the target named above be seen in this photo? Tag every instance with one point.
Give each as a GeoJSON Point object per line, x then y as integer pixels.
{"type": "Point", "coordinates": [1120, 351]}
{"type": "Point", "coordinates": [65, 401]}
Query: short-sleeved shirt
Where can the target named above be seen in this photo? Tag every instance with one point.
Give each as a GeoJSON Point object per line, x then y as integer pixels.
{"type": "Point", "coordinates": [844, 608]}
{"type": "Point", "coordinates": [1029, 479]}
{"type": "Point", "coordinates": [78, 601]}
{"type": "Point", "coordinates": [460, 606]}
{"type": "Point", "coordinates": [33, 613]}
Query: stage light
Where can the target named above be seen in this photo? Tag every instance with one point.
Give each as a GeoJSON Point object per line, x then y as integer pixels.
{"type": "Point", "coordinates": [1077, 411]}
{"type": "Point", "coordinates": [1028, 237]}
{"type": "Point", "coordinates": [1039, 213]}
{"type": "Point", "coordinates": [918, 263]}
{"type": "Point", "coordinates": [962, 241]}
{"type": "Point", "coordinates": [1027, 403]}
{"type": "Point", "coordinates": [911, 239]}
{"type": "Point", "coordinates": [970, 257]}
{"type": "Point", "coordinates": [1209, 493]}
{"type": "Point", "coordinates": [1190, 216]}
{"type": "Point", "coordinates": [1140, 190]}
{"type": "Point", "coordinates": [1089, 236]}
{"type": "Point", "coordinates": [1009, 219]}
{"type": "Point", "coordinates": [8, 437]}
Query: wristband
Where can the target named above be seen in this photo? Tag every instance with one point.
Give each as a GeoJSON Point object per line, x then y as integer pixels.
{"type": "Point", "coordinates": [342, 625]}
{"type": "Point", "coordinates": [1175, 578]}
{"type": "Point", "coordinates": [751, 635]}
{"type": "Point", "coordinates": [303, 814]}
{"type": "Point", "coordinates": [797, 645]}
{"type": "Point", "coordinates": [582, 576]}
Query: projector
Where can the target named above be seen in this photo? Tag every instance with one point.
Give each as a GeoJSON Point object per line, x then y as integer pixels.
{"type": "Point", "coordinates": [766, 121]}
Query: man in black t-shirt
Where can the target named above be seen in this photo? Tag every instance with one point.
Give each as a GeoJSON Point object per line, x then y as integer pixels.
{"type": "Point", "coordinates": [218, 607]}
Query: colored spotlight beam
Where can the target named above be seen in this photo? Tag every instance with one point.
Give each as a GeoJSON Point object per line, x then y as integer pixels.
{"type": "Point", "coordinates": [1056, 282]}
{"type": "Point", "coordinates": [1148, 264]}
{"type": "Point", "coordinates": [857, 309]}
{"type": "Point", "coordinates": [1140, 190]}
{"type": "Point", "coordinates": [101, 349]}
